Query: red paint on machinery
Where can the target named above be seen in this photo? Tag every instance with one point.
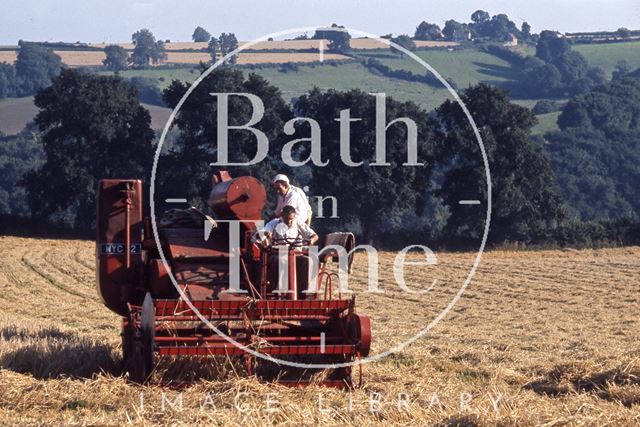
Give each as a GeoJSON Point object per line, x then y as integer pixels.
{"type": "Point", "coordinates": [317, 327]}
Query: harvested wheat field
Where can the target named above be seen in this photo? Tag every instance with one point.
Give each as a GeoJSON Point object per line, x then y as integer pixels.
{"type": "Point", "coordinates": [355, 43]}
{"type": "Point", "coordinates": [538, 338]}
{"type": "Point", "coordinates": [252, 58]}
{"type": "Point", "coordinates": [72, 58]}
{"type": "Point", "coordinates": [265, 45]}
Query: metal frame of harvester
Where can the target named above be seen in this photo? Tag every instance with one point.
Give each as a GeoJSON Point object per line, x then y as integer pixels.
{"type": "Point", "coordinates": [320, 327]}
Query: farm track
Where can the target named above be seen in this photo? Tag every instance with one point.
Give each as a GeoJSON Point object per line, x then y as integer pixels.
{"type": "Point", "coordinates": [555, 333]}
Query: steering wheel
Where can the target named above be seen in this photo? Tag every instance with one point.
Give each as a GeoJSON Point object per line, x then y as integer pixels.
{"type": "Point", "coordinates": [292, 243]}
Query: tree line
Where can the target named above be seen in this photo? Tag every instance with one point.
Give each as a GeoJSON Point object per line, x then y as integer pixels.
{"type": "Point", "coordinates": [149, 51]}
{"type": "Point", "coordinates": [84, 137]}
{"type": "Point", "coordinates": [482, 27]}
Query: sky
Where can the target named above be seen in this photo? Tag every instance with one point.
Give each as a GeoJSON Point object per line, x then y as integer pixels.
{"type": "Point", "coordinates": [116, 20]}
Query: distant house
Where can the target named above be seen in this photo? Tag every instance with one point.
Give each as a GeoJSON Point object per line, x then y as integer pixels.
{"type": "Point", "coordinates": [511, 43]}
{"type": "Point", "coordinates": [461, 35]}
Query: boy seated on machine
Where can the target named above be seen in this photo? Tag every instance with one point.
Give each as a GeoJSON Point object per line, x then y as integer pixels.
{"type": "Point", "coordinates": [287, 230]}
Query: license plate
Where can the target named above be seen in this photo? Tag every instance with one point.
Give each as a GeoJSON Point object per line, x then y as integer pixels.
{"type": "Point", "coordinates": [118, 248]}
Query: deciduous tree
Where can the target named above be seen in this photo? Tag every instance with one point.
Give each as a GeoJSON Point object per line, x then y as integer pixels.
{"type": "Point", "coordinates": [200, 35]}
{"type": "Point", "coordinates": [426, 31]}
{"type": "Point", "coordinates": [373, 199]}
{"type": "Point", "coordinates": [116, 58]}
{"type": "Point", "coordinates": [35, 67]}
{"type": "Point", "coordinates": [92, 127]}
{"type": "Point", "coordinates": [525, 198]}
{"type": "Point", "coordinates": [147, 49]}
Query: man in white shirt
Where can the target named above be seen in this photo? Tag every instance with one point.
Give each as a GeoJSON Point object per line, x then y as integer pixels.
{"type": "Point", "coordinates": [293, 196]}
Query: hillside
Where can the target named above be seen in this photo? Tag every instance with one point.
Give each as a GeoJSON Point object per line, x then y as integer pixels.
{"type": "Point", "coordinates": [15, 113]}
{"type": "Point", "coordinates": [274, 51]}
{"type": "Point", "coordinates": [608, 55]}
{"type": "Point", "coordinates": [551, 335]}
{"type": "Point", "coordinates": [464, 66]}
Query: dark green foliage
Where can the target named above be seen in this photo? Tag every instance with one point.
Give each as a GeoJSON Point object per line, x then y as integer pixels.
{"type": "Point", "coordinates": [525, 31]}
{"type": "Point", "coordinates": [545, 106]}
{"type": "Point", "coordinates": [511, 56]}
{"type": "Point", "coordinates": [92, 127]}
{"type": "Point", "coordinates": [591, 234]}
{"type": "Point", "coordinates": [596, 157]}
{"type": "Point", "coordinates": [557, 71]}
{"type": "Point", "coordinates": [385, 70]}
{"type": "Point", "coordinates": [625, 33]}
{"type": "Point", "coordinates": [596, 177]}
{"type": "Point", "coordinates": [35, 67]}
{"type": "Point", "coordinates": [551, 46]}
{"type": "Point", "coordinates": [228, 43]}
{"type": "Point", "coordinates": [426, 31]}
{"type": "Point", "coordinates": [612, 108]}
{"type": "Point", "coordinates": [185, 170]}
{"type": "Point", "coordinates": [483, 27]}
{"type": "Point", "coordinates": [200, 35]}
{"type": "Point", "coordinates": [372, 199]}
{"type": "Point", "coordinates": [116, 58]}
{"type": "Point", "coordinates": [622, 69]}
{"type": "Point", "coordinates": [543, 80]}
{"type": "Point", "coordinates": [289, 66]}
{"type": "Point", "coordinates": [148, 90]}
{"type": "Point", "coordinates": [455, 31]}
{"type": "Point", "coordinates": [525, 200]}
{"type": "Point", "coordinates": [146, 49]}
{"type": "Point", "coordinates": [480, 16]}
{"type": "Point", "coordinates": [403, 41]}
{"type": "Point", "coordinates": [18, 154]}
{"type": "Point", "coordinates": [7, 80]}
{"type": "Point", "coordinates": [213, 47]}
{"type": "Point", "coordinates": [498, 28]}
{"type": "Point", "coordinates": [338, 40]}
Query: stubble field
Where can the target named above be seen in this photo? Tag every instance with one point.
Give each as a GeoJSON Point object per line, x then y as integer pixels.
{"type": "Point", "coordinates": [538, 338]}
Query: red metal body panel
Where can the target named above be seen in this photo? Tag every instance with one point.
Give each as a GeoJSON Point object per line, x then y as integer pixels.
{"type": "Point", "coordinates": [189, 243]}
{"type": "Point", "coordinates": [309, 327]}
{"type": "Point", "coordinates": [117, 222]}
{"type": "Point", "coordinates": [239, 198]}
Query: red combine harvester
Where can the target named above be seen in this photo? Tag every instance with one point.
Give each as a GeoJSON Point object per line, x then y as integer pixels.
{"type": "Point", "coordinates": [158, 319]}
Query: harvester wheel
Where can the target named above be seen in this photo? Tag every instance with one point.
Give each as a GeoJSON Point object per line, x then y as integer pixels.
{"type": "Point", "coordinates": [135, 365]}
{"type": "Point", "coordinates": [148, 333]}
{"type": "Point", "coordinates": [132, 352]}
{"type": "Point", "coordinates": [360, 333]}
{"type": "Point", "coordinates": [137, 344]}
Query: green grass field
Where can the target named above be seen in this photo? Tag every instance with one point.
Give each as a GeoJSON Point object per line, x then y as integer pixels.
{"type": "Point", "coordinates": [349, 76]}
{"type": "Point", "coordinates": [466, 67]}
{"type": "Point", "coordinates": [341, 77]}
{"type": "Point", "coordinates": [163, 76]}
{"type": "Point", "coordinates": [546, 123]}
{"type": "Point", "coordinates": [607, 55]}
{"type": "Point", "coordinates": [15, 113]}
